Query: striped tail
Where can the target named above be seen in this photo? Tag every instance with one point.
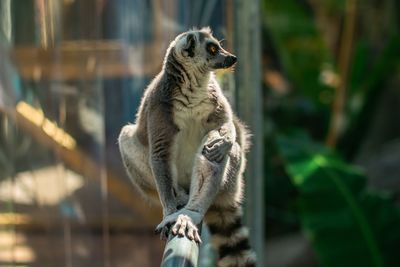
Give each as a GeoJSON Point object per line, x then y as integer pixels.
{"type": "Point", "coordinates": [231, 238]}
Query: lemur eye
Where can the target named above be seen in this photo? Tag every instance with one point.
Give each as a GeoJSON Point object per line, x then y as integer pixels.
{"type": "Point", "coordinates": [212, 49]}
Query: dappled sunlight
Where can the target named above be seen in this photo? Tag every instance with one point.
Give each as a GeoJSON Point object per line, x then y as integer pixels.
{"type": "Point", "coordinates": [14, 249]}
{"type": "Point", "coordinates": [41, 186]}
{"type": "Point", "coordinates": [37, 117]}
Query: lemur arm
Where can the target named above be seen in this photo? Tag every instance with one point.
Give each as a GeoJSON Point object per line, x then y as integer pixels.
{"type": "Point", "coordinates": [161, 133]}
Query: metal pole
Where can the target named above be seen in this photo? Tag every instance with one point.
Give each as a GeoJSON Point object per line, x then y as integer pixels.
{"type": "Point", "coordinates": [248, 99]}
{"type": "Point", "coordinates": [180, 252]}
{"type": "Point", "coordinates": [5, 20]}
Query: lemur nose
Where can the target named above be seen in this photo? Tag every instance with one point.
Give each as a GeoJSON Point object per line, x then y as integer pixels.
{"type": "Point", "coordinates": [229, 61]}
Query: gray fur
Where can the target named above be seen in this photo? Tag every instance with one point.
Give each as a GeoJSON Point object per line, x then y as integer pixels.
{"type": "Point", "coordinates": [187, 145]}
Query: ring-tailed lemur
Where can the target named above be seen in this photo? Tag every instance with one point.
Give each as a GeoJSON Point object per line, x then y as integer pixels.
{"type": "Point", "coordinates": [188, 146]}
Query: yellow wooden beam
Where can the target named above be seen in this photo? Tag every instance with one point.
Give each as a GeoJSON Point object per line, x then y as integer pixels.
{"type": "Point", "coordinates": [75, 60]}
{"type": "Point", "coordinates": [78, 161]}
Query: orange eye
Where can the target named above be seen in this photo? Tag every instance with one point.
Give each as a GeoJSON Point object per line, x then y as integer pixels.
{"type": "Point", "coordinates": [213, 49]}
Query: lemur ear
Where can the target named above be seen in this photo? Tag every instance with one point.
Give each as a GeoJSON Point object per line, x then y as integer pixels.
{"type": "Point", "coordinates": [188, 49]}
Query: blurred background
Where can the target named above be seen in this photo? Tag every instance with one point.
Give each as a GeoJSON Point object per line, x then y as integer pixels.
{"type": "Point", "coordinates": [317, 82]}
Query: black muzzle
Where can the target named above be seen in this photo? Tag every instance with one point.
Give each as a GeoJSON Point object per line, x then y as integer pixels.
{"type": "Point", "coordinates": [229, 61]}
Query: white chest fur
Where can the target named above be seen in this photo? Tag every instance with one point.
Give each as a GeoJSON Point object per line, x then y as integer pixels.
{"type": "Point", "coordinates": [191, 122]}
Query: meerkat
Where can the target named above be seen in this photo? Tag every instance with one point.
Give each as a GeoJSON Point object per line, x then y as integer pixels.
{"type": "Point", "coordinates": [187, 148]}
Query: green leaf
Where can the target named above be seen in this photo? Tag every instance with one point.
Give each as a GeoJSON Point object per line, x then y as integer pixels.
{"type": "Point", "coordinates": [347, 225]}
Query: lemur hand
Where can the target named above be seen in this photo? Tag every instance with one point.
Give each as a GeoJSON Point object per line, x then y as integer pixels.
{"type": "Point", "coordinates": [184, 224]}
{"type": "Point", "coordinates": [217, 148]}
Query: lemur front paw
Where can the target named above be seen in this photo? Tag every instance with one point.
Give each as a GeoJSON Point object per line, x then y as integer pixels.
{"type": "Point", "coordinates": [184, 224]}
{"type": "Point", "coordinates": [217, 149]}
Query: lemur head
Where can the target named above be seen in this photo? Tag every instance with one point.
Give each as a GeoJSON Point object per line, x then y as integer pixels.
{"type": "Point", "coordinates": [198, 48]}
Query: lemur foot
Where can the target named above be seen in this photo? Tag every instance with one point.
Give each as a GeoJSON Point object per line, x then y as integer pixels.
{"type": "Point", "coordinates": [184, 224]}
{"type": "Point", "coordinates": [217, 149]}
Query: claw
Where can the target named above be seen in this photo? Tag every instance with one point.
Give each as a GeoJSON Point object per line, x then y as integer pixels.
{"type": "Point", "coordinates": [191, 234]}
{"type": "Point", "coordinates": [176, 227]}
{"type": "Point", "coordinates": [164, 234]}
{"type": "Point", "coordinates": [182, 229]}
{"type": "Point", "coordinates": [163, 229]}
{"type": "Point", "coordinates": [197, 238]}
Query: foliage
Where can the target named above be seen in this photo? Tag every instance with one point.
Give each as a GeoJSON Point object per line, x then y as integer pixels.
{"type": "Point", "coordinates": [347, 225]}
{"type": "Point", "coordinates": [321, 191]}
{"type": "Point", "coordinates": [364, 88]}
{"type": "Point", "coordinates": [303, 55]}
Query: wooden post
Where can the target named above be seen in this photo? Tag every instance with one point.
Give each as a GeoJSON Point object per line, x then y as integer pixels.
{"type": "Point", "coordinates": [248, 100]}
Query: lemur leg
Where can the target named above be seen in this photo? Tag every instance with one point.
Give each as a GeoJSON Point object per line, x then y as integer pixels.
{"type": "Point", "coordinates": [209, 169]}
{"type": "Point", "coordinates": [135, 157]}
